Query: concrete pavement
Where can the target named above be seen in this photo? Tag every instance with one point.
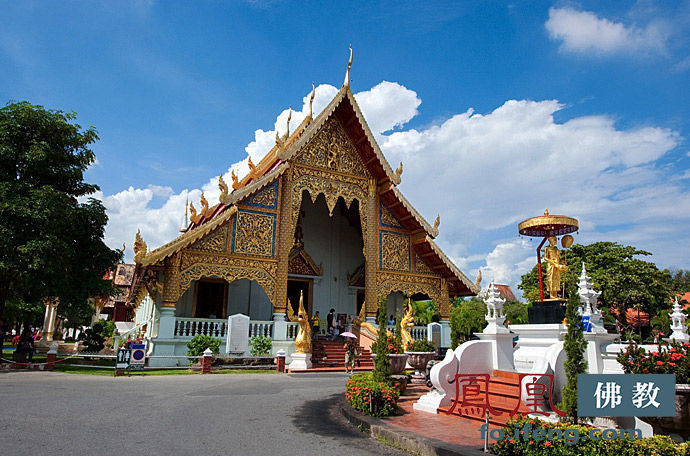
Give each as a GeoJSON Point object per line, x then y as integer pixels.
{"type": "Point", "coordinates": [235, 414]}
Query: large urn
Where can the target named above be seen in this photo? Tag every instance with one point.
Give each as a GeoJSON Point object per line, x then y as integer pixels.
{"type": "Point", "coordinates": [679, 424]}
{"type": "Point", "coordinates": [419, 360]}
{"type": "Point", "coordinates": [397, 362]}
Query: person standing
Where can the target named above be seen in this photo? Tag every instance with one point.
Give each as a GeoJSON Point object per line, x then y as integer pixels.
{"type": "Point", "coordinates": [316, 324]}
{"type": "Point", "coordinates": [26, 344]}
{"type": "Point", "coordinates": [330, 320]}
{"type": "Point", "coordinates": [350, 354]}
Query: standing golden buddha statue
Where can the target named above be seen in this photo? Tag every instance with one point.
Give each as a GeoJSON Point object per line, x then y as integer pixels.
{"type": "Point", "coordinates": [555, 266]}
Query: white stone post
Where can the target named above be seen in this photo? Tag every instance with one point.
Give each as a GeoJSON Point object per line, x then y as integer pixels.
{"type": "Point", "coordinates": [678, 317]}
{"type": "Point", "coordinates": [497, 333]}
{"type": "Point", "coordinates": [279, 326]}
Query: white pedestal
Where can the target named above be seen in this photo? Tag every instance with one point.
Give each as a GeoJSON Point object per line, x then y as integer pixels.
{"type": "Point", "coordinates": [431, 402]}
{"type": "Point", "coordinates": [501, 350]}
{"type": "Point", "coordinates": [300, 361]}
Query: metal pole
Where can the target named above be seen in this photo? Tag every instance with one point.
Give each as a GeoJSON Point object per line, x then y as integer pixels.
{"type": "Point", "coordinates": [486, 436]}
{"type": "Point", "coordinates": [541, 280]}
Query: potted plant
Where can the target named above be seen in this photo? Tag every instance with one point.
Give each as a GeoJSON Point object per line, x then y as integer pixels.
{"type": "Point", "coordinates": [396, 357]}
{"type": "Point", "coordinates": [671, 358]}
{"type": "Point", "coordinates": [419, 353]}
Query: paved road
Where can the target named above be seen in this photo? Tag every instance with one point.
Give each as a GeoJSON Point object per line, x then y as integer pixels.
{"type": "Point", "coordinates": [236, 414]}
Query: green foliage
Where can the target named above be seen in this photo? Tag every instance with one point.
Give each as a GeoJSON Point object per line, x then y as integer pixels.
{"type": "Point", "coordinates": [515, 313]}
{"type": "Point", "coordinates": [260, 345]}
{"type": "Point", "coordinates": [394, 345]}
{"type": "Point", "coordinates": [616, 270]}
{"type": "Point", "coordinates": [669, 359]}
{"type": "Point", "coordinates": [382, 370]}
{"type": "Point", "coordinates": [20, 311]}
{"type": "Point", "coordinates": [661, 323]}
{"type": "Point", "coordinates": [466, 318]}
{"type": "Point", "coordinates": [575, 363]}
{"type": "Point", "coordinates": [93, 338]}
{"type": "Point", "coordinates": [422, 345]}
{"type": "Point", "coordinates": [51, 244]}
{"type": "Point", "coordinates": [108, 327]}
{"type": "Point", "coordinates": [425, 312]}
{"type": "Point", "coordinates": [567, 445]}
{"type": "Point", "coordinates": [200, 343]}
{"type": "Point", "coordinates": [680, 281]}
{"type": "Point", "coordinates": [370, 396]}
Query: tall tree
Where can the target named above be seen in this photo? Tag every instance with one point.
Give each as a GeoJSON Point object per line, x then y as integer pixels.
{"type": "Point", "coordinates": [382, 368]}
{"type": "Point", "coordinates": [466, 318]}
{"type": "Point", "coordinates": [624, 279]}
{"type": "Point", "coordinates": [51, 244]}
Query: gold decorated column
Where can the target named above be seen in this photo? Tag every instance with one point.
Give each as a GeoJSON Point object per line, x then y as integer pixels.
{"type": "Point", "coordinates": [371, 249]}
{"type": "Point", "coordinates": [286, 235]}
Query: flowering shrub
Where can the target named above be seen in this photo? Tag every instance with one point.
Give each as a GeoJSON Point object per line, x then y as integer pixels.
{"type": "Point", "coordinates": [394, 346]}
{"type": "Point", "coordinates": [421, 345]}
{"type": "Point", "coordinates": [570, 439]}
{"type": "Point", "coordinates": [670, 359]}
{"type": "Point", "coordinates": [371, 397]}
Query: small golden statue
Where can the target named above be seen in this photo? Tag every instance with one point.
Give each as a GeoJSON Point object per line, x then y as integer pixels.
{"type": "Point", "coordinates": [303, 339]}
{"type": "Point", "coordinates": [555, 266]}
{"type": "Point", "coordinates": [406, 324]}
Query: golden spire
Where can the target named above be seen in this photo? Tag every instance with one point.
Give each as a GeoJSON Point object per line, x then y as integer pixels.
{"type": "Point", "coordinates": [346, 83]}
{"type": "Point", "coordinates": [546, 211]}
{"type": "Point", "coordinates": [235, 181]}
{"type": "Point", "coordinates": [287, 131]}
{"type": "Point", "coordinates": [311, 100]}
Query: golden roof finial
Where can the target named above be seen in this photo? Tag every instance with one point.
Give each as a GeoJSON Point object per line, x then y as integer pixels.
{"type": "Point", "coordinates": [287, 131]}
{"type": "Point", "coordinates": [204, 205]}
{"type": "Point", "coordinates": [252, 166]}
{"type": "Point", "coordinates": [546, 211]}
{"type": "Point", "coordinates": [194, 218]}
{"type": "Point", "coordinates": [437, 222]}
{"type": "Point", "coordinates": [140, 248]}
{"type": "Point", "coordinates": [399, 171]}
{"type": "Point", "coordinates": [311, 100]}
{"type": "Point", "coordinates": [235, 181]}
{"type": "Point", "coordinates": [346, 83]}
{"type": "Point", "coordinates": [223, 189]}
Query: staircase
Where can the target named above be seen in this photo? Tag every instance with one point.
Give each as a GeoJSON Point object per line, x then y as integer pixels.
{"type": "Point", "coordinates": [329, 355]}
{"type": "Point", "coordinates": [504, 395]}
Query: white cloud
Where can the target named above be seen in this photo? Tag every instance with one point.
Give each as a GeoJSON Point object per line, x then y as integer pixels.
{"type": "Point", "coordinates": [584, 31]}
{"type": "Point", "coordinates": [484, 173]}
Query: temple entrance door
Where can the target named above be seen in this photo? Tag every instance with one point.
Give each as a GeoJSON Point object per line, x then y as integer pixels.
{"type": "Point", "coordinates": [210, 299]}
{"type": "Point", "coordinates": [294, 287]}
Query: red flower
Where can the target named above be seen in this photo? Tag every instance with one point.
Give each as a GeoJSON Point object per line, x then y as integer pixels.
{"type": "Point", "coordinates": [512, 440]}
{"type": "Point", "coordinates": [660, 363]}
{"type": "Point", "coordinates": [547, 444]}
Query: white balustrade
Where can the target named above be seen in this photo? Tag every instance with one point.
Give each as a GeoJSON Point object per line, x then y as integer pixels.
{"type": "Point", "coordinates": [292, 330]}
{"type": "Point", "coordinates": [186, 328]}
{"type": "Point", "coordinates": [260, 328]}
{"type": "Point", "coordinates": [418, 333]}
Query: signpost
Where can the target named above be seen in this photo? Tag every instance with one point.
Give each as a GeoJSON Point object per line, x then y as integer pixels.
{"type": "Point", "coordinates": [138, 357]}
{"type": "Point", "coordinates": [123, 356]}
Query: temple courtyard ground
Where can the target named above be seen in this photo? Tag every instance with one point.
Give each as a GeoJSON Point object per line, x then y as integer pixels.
{"type": "Point", "coordinates": [250, 414]}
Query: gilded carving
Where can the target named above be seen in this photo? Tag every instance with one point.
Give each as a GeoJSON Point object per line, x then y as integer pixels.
{"type": "Point", "coordinates": [228, 268]}
{"type": "Point", "coordinates": [395, 251]}
{"type": "Point", "coordinates": [331, 148]}
{"type": "Point", "coordinates": [409, 284]}
{"type": "Point", "coordinates": [254, 234]}
{"type": "Point", "coordinates": [266, 198]}
{"type": "Point", "coordinates": [214, 242]}
{"type": "Point", "coordinates": [388, 219]}
{"type": "Point", "coordinates": [421, 266]}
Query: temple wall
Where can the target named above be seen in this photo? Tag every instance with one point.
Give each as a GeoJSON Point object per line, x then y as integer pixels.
{"type": "Point", "coordinates": [186, 302]}
{"type": "Point", "coordinates": [337, 246]}
{"type": "Point", "coordinates": [248, 298]}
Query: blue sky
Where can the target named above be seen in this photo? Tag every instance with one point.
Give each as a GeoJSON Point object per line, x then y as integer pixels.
{"type": "Point", "coordinates": [497, 109]}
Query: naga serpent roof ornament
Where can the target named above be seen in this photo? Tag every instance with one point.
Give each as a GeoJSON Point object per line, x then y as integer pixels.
{"type": "Point", "coordinates": [346, 83]}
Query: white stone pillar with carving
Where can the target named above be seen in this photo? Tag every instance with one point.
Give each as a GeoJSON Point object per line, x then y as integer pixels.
{"type": "Point", "coordinates": [496, 332]}
{"type": "Point", "coordinates": [588, 299]}
{"type": "Point", "coordinates": [678, 328]}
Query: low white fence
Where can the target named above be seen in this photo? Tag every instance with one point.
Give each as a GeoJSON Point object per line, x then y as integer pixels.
{"type": "Point", "coordinates": [186, 328]}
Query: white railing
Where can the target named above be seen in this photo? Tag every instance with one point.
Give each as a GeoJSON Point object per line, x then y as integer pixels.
{"type": "Point", "coordinates": [417, 332]}
{"type": "Point", "coordinates": [186, 328]}
{"type": "Point", "coordinates": [292, 330]}
{"type": "Point", "coordinates": [260, 328]}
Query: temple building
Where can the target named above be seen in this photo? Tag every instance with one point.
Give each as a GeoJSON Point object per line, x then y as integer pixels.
{"type": "Point", "coordinates": [320, 214]}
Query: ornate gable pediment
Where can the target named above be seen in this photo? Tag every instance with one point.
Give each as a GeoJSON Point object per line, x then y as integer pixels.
{"type": "Point", "coordinates": [214, 242]}
{"type": "Point", "coordinates": [300, 262]}
{"type": "Point", "coordinates": [330, 148]}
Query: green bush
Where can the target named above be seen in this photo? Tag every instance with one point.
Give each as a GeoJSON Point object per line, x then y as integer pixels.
{"type": "Point", "coordinates": [260, 345]}
{"type": "Point", "coordinates": [200, 343]}
{"type": "Point", "coordinates": [93, 338]}
{"type": "Point", "coordinates": [421, 346]}
{"type": "Point", "coordinates": [371, 397]}
{"type": "Point", "coordinates": [622, 445]}
{"type": "Point", "coordinates": [382, 368]}
{"type": "Point", "coordinates": [108, 327]}
{"type": "Point", "coordinates": [670, 359]}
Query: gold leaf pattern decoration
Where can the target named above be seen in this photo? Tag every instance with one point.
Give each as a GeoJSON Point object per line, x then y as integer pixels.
{"type": "Point", "coordinates": [395, 251]}
{"type": "Point", "coordinates": [388, 219]}
{"type": "Point", "coordinates": [254, 234]}
{"type": "Point", "coordinates": [409, 284]}
{"type": "Point", "coordinates": [331, 148]}
{"type": "Point", "coordinates": [421, 266]}
{"type": "Point", "coordinates": [266, 198]}
{"type": "Point", "coordinates": [214, 242]}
